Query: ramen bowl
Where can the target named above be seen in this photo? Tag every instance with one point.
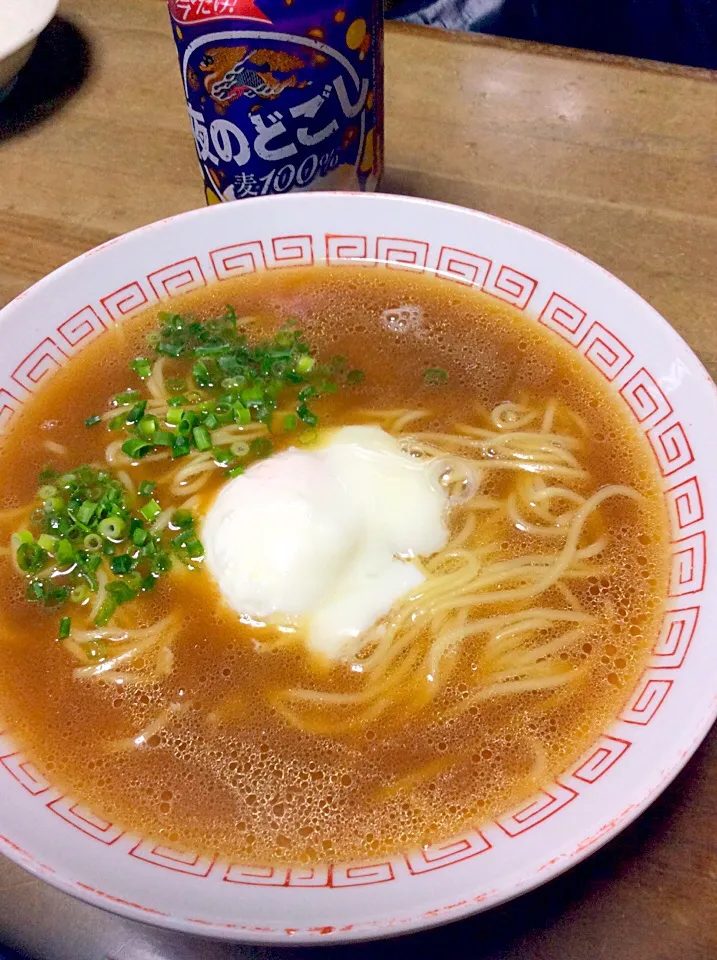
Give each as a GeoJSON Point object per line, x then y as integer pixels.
{"type": "Point", "coordinates": [644, 364]}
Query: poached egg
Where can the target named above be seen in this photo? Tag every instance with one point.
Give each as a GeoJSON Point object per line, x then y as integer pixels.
{"type": "Point", "coordinates": [324, 540]}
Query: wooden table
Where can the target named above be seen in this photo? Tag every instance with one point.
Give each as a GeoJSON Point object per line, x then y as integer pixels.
{"type": "Point", "coordinates": [615, 158]}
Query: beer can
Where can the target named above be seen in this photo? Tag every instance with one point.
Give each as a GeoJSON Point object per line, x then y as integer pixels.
{"type": "Point", "coordinates": [283, 94]}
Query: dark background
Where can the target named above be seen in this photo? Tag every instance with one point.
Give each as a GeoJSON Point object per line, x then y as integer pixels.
{"type": "Point", "coordinates": [677, 31]}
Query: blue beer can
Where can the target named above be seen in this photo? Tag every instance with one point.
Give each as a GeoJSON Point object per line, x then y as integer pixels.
{"type": "Point", "coordinates": [283, 94]}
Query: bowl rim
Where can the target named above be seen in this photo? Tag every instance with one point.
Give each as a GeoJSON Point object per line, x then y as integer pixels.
{"type": "Point", "coordinates": [30, 28]}
{"type": "Point", "coordinates": [440, 915]}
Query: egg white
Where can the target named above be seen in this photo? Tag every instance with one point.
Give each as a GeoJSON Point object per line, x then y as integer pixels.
{"type": "Point", "coordinates": [326, 539]}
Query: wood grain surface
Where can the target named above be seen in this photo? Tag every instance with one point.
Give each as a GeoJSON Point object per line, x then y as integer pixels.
{"type": "Point", "coordinates": [616, 158]}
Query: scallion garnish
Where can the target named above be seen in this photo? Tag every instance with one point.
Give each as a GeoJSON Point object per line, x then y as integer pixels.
{"type": "Point", "coordinates": [150, 511]}
{"type": "Point", "coordinates": [137, 412]}
{"type": "Point", "coordinates": [261, 447]}
{"type": "Point", "coordinates": [142, 367]}
{"type": "Point", "coordinates": [181, 447]}
{"type": "Point", "coordinates": [434, 376]}
{"type": "Point", "coordinates": [122, 563]}
{"type": "Point", "coordinates": [86, 512]}
{"type": "Point", "coordinates": [307, 415]}
{"type": "Point", "coordinates": [235, 381]}
{"type": "Point", "coordinates": [90, 514]}
{"type": "Point", "coordinates": [112, 527]}
{"type": "Point", "coordinates": [136, 448]}
{"type": "Point", "coordinates": [202, 438]}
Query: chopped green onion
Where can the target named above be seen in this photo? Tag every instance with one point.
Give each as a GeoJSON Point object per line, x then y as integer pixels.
{"type": "Point", "coordinates": [65, 553]}
{"type": "Point", "coordinates": [137, 412]}
{"type": "Point", "coordinates": [289, 422]}
{"type": "Point", "coordinates": [31, 557]}
{"type": "Point", "coordinates": [261, 447]}
{"type": "Point", "coordinates": [92, 542]}
{"type": "Point", "coordinates": [117, 423]}
{"type": "Point", "coordinates": [200, 372]}
{"type": "Point", "coordinates": [235, 471]}
{"type": "Point", "coordinates": [202, 438]}
{"type": "Point", "coordinates": [140, 536]}
{"type": "Point", "coordinates": [120, 592]}
{"type": "Point", "coordinates": [79, 593]}
{"type": "Point", "coordinates": [174, 415]}
{"type": "Point", "coordinates": [91, 421]}
{"type": "Point", "coordinates": [142, 367]}
{"type": "Point", "coordinates": [250, 396]}
{"type": "Point", "coordinates": [129, 396]}
{"type": "Point", "coordinates": [147, 426]}
{"type": "Point", "coordinates": [222, 456]}
{"type": "Point", "coordinates": [240, 448]}
{"type": "Point", "coordinates": [435, 376]}
{"type": "Point", "coordinates": [224, 413]}
{"type": "Point", "coordinates": [46, 491]}
{"type": "Point", "coordinates": [232, 383]}
{"type": "Point", "coordinates": [112, 528]}
{"type": "Point", "coordinates": [168, 349]}
{"type": "Point", "coordinates": [194, 549]}
{"type": "Point", "coordinates": [106, 612]}
{"type": "Point", "coordinates": [46, 542]}
{"type": "Point", "coordinates": [307, 415]}
{"type": "Point", "coordinates": [136, 448]}
{"type": "Point", "coordinates": [63, 631]}
{"type": "Point", "coordinates": [180, 448]}
{"type": "Point", "coordinates": [146, 487]}
{"type": "Point", "coordinates": [182, 519]}
{"type": "Point", "coordinates": [96, 649]}
{"type": "Point", "coordinates": [163, 562]}
{"type": "Point", "coordinates": [122, 563]}
{"type": "Point", "coordinates": [242, 416]}
{"type": "Point", "coordinates": [308, 436]}
{"type": "Point", "coordinates": [133, 579]}
{"type": "Point", "coordinates": [163, 438]}
{"type": "Point", "coordinates": [86, 512]}
{"type": "Point", "coordinates": [306, 364]}
{"type": "Point", "coordinates": [150, 511]}
{"type": "Point", "coordinates": [355, 376]}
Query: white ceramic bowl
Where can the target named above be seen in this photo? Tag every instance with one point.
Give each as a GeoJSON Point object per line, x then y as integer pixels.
{"type": "Point", "coordinates": [21, 23]}
{"type": "Point", "coordinates": [643, 361]}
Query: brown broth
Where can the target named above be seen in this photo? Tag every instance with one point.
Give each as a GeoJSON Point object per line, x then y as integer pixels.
{"type": "Point", "coordinates": [253, 788]}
